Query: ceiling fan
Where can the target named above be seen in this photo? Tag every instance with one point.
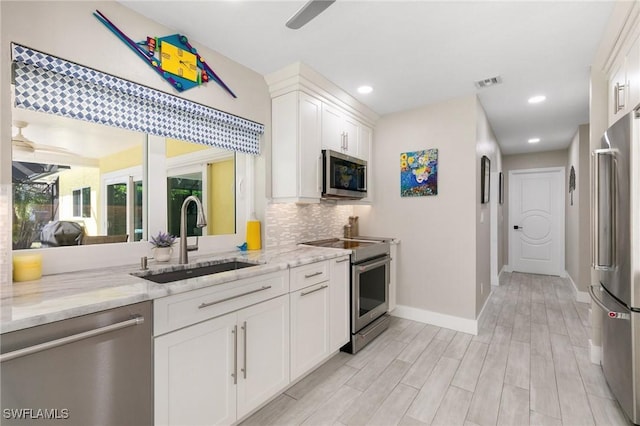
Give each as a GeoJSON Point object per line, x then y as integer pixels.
{"type": "Point", "coordinates": [310, 10]}
{"type": "Point", "coordinates": [21, 143]}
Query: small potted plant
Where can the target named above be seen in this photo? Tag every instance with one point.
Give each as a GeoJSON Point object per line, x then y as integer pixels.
{"type": "Point", "coordinates": [162, 246]}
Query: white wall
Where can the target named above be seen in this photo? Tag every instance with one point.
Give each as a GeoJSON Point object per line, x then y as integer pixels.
{"type": "Point", "coordinates": [437, 254]}
{"type": "Point", "coordinates": [68, 30]}
{"type": "Point", "coordinates": [486, 144]}
{"type": "Point", "coordinates": [577, 228]}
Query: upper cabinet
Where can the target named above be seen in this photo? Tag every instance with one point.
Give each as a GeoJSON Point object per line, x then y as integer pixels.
{"type": "Point", "coordinates": [309, 114]}
{"type": "Point", "coordinates": [624, 78]}
{"type": "Point", "coordinates": [339, 131]}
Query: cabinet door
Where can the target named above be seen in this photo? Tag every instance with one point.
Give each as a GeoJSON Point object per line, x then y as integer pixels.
{"type": "Point", "coordinates": [193, 374]}
{"type": "Point", "coordinates": [332, 128]}
{"type": "Point", "coordinates": [339, 302]}
{"type": "Point", "coordinates": [633, 75]}
{"type": "Point", "coordinates": [351, 136]}
{"type": "Point", "coordinates": [309, 328]}
{"type": "Point", "coordinates": [263, 352]}
{"type": "Point", "coordinates": [310, 184]}
{"type": "Point", "coordinates": [364, 142]}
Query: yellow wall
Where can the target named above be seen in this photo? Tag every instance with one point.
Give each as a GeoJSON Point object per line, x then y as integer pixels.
{"type": "Point", "coordinates": [176, 147]}
{"type": "Point", "coordinates": [77, 178]}
{"type": "Point", "coordinates": [121, 160]}
{"type": "Point", "coordinates": [221, 213]}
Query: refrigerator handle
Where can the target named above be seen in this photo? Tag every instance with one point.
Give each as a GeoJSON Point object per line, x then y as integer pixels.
{"type": "Point", "coordinates": [611, 314]}
{"type": "Point", "coordinates": [595, 166]}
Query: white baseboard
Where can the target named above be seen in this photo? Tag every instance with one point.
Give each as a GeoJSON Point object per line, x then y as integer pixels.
{"type": "Point", "coordinates": [595, 353]}
{"type": "Point", "coordinates": [503, 270]}
{"type": "Point", "coordinates": [435, 318]}
{"type": "Point", "coordinates": [581, 296]}
{"type": "Point", "coordinates": [507, 268]}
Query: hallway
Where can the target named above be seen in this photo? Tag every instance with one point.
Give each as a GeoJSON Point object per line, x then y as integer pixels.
{"type": "Point", "coordinates": [529, 364]}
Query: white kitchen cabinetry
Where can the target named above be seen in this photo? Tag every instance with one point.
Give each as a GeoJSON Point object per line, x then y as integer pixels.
{"type": "Point", "coordinates": [309, 316]}
{"type": "Point", "coordinates": [221, 351]}
{"type": "Point", "coordinates": [340, 270]}
{"type": "Point", "coordinates": [339, 131]}
{"type": "Point", "coordinates": [217, 371]}
{"type": "Point", "coordinates": [309, 328]}
{"type": "Point", "coordinates": [193, 374]}
{"type": "Point", "coordinates": [263, 353]}
{"type": "Point", "coordinates": [310, 113]}
{"type": "Point", "coordinates": [624, 82]}
{"type": "Point", "coordinates": [296, 148]}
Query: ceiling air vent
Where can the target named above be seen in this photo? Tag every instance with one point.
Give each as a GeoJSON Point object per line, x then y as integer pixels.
{"type": "Point", "coordinates": [487, 82]}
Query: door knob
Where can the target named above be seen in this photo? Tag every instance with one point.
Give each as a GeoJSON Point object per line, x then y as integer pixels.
{"type": "Point", "coordinates": [516, 227]}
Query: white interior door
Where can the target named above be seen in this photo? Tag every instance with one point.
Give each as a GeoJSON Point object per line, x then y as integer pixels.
{"type": "Point", "coordinates": [536, 221]}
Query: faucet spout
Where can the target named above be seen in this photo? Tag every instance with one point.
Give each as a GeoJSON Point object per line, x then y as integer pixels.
{"type": "Point", "coordinates": [201, 222]}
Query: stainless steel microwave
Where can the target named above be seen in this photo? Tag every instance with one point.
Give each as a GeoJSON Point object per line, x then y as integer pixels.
{"type": "Point", "coordinates": [343, 176]}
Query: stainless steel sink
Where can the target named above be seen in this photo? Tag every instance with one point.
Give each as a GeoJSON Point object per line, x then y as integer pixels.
{"type": "Point", "coordinates": [198, 271]}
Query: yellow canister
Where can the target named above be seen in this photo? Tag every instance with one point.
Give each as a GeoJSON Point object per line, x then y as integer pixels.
{"type": "Point", "coordinates": [253, 234]}
{"type": "Point", "coordinates": [27, 267]}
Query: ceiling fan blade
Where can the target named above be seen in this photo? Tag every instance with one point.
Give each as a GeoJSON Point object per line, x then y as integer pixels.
{"type": "Point", "coordinates": [309, 11]}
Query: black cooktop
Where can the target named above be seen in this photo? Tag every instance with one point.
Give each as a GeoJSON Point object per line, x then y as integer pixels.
{"type": "Point", "coordinates": [341, 243]}
{"type": "Point", "coordinates": [362, 248]}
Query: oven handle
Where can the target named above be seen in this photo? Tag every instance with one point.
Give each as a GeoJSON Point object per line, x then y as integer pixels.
{"type": "Point", "coordinates": [364, 267]}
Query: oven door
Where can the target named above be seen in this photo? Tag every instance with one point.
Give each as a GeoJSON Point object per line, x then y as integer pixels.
{"type": "Point", "coordinates": [370, 291]}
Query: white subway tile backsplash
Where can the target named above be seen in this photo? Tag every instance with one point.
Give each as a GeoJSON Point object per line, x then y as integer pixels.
{"type": "Point", "coordinates": [297, 223]}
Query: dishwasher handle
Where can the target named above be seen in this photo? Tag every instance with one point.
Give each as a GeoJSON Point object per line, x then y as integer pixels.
{"type": "Point", "coordinates": [136, 320]}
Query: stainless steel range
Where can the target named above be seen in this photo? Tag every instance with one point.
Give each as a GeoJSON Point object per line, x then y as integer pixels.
{"type": "Point", "coordinates": [370, 274]}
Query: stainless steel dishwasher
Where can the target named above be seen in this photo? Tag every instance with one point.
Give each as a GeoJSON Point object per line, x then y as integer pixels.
{"type": "Point", "coordinates": [95, 369]}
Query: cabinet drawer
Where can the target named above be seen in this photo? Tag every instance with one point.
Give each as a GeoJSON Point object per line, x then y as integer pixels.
{"type": "Point", "coordinates": [304, 276]}
{"type": "Point", "coordinates": [181, 310]}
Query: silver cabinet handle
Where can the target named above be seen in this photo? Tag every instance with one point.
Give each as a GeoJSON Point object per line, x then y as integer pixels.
{"type": "Point", "coordinates": [611, 314]}
{"type": "Point", "coordinates": [304, 293]}
{"type": "Point", "coordinates": [235, 355]}
{"type": "Point", "coordinates": [244, 370]}
{"type": "Point", "coordinates": [343, 260]}
{"type": "Point", "coordinates": [346, 141]}
{"type": "Point", "coordinates": [315, 274]}
{"type": "Point", "coordinates": [70, 339]}
{"type": "Point", "coordinates": [618, 89]}
{"type": "Point", "coordinates": [226, 299]}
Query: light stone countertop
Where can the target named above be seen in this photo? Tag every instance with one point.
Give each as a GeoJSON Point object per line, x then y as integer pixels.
{"type": "Point", "coordinates": [61, 296]}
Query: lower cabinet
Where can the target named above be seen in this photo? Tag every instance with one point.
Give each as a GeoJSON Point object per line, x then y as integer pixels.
{"type": "Point", "coordinates": [340, 272]}
{"type": "Point", "coordinates": [319, 312]}
{"type": "Point", "coordinates": [309, 328]}
{"type": "Point", "coordinates": [221, 352]}
{"type": "Point", "coordinates": [216, 371]}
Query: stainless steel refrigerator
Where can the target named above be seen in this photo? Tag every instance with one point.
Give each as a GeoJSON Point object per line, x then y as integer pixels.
{"type": "Point", "coordinates": [616, 257]}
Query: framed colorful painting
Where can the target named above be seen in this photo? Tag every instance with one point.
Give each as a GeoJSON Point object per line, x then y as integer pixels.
{"type": "Point", "coordinates": [419, 173]}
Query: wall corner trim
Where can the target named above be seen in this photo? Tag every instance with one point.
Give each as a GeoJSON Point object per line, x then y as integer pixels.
{"type": "Point", "coordinates": [581, 296]}
{"type": "Point", "coordinates": [464, 325]}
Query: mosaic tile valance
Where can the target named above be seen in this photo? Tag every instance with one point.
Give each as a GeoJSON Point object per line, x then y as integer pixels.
{"type": "Point", "coordinates": [49, 84]}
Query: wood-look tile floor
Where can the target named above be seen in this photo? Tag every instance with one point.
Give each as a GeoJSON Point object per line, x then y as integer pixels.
{"type": "Point", "coordinates": [529, 364]}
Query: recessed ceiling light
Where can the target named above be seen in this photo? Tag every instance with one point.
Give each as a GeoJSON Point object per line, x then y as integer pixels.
{"type": "Point", "coordinates": [537, 99]}
{"type": "Point", "coordinates": [534, 140]}
{"type": "Point", "coordinates": [365, 89]}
